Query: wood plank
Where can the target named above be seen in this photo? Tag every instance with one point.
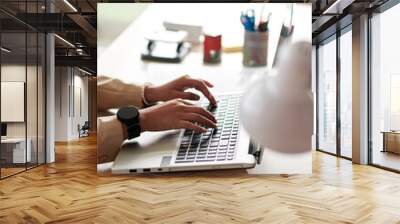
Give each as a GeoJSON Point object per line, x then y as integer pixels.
{"type": "Point", "coordinates": [71, 191]}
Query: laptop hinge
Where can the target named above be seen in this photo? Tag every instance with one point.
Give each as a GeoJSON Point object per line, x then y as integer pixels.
{"type": "Point", "coordinates": [256, 150]}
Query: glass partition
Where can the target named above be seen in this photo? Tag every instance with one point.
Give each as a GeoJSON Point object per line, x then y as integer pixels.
{"type": "Point", "coordinates": [14, 143]}
{"type": "Point", "coordinates": [22, 78]}
{"type": "Point", "coordinates": [31, 99]}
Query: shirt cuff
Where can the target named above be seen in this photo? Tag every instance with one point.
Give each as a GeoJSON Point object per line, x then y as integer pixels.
{"type": "Point", "coordinates": [144, 100]}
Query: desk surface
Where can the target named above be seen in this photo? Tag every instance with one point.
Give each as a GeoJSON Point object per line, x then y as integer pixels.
{"type": "Point", "coordinates": [390, 132]}
{"type": "Point", "coordinates": [121, 58]}
{"type": "Point", "coordinates": [13, 140]}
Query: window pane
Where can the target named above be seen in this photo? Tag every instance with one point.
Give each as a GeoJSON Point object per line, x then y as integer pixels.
{"type": "Point", "coordinates": [327, 97]}
{"type": "Point", "coordinates": [385, 89]}
{"type": "Point", "coordinates": [346, 94]}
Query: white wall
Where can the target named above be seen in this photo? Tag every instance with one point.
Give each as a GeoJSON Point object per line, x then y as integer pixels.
{"type": "Point", "coordinates": [61, 103]}
{"type": "Point", "coordinates": [79, 117]}
{"type": "Point", "coordinates": [12, 73]}
{"type": "Point", "coordinates": [70, 83]}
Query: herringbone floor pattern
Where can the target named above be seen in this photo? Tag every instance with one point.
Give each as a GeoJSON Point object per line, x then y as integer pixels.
{"type": "Point", "coordinates": [70, 191]}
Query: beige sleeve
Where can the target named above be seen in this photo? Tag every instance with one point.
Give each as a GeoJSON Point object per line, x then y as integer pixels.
{"type": "Point", "coordinates": [110, 136]}
{"type": "Point", "coordinates": [113, 93]}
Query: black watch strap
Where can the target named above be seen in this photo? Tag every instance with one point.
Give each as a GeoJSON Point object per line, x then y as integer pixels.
{"type": "Point", "coordinates": [134, 131]}
{"type": "Point", "coordinates": [129, 117]}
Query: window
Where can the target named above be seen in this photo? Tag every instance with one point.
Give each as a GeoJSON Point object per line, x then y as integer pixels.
{"type": "Point", "coordinates": [346, 93]}
{"type": "Point", "coordinates": [385, 89]}
{"type": "Point", "coordinates": [327, 96]}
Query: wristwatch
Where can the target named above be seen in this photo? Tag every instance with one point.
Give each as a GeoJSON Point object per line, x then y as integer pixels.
{"type": "Point", "coordinates": [129, 116]}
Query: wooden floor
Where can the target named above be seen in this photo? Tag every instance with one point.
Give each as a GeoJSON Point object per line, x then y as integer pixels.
{"type": "Point", "coordinates": [70, 191]}
{"type": "Point", "coordinates": [10, 171]}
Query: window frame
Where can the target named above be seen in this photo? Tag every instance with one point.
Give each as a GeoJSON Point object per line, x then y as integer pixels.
{"type": "Point", "coordinates": [333, 37]}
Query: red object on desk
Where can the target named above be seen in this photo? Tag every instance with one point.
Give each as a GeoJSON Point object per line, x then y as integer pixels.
{"type": "Point", "coordinates": [212, 48]}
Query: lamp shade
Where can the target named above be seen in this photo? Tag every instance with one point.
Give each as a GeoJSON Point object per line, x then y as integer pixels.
{"type": "Point", "coordinates": [277, 110]}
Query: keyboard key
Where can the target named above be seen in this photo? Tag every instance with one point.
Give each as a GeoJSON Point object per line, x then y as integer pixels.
{"type": "Point", "coordinates": [205, 160]}
{"type": "Point", "coordinates": [223, 142]}
{"type": "Point", "coordinates": [187, 132]}
{"type": "Point", "coordinates": [205, 141]}
{"type": "Point", "coordinates": [216, 143]}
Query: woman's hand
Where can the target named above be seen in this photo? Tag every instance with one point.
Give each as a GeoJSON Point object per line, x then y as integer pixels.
{"type": "Point", "coordinates": [176, 90]}
{"type": "Point", "coordinates": [176, 114]}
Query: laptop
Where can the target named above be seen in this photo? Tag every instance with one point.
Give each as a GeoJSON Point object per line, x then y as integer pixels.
{"type": "Point", "coordinates": [226, 147]}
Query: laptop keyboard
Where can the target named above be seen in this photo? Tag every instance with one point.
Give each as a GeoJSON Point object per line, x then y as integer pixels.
{"type": "Point", "coordinates": [217, 144]}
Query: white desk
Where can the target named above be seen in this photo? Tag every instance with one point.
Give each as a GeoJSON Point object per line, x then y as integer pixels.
{"type": "Point", "coordinates": [121, 57]}
{"type": "Point", "coordinates": [18, 149]}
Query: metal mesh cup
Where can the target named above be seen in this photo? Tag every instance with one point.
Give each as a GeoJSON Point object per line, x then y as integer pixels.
{"type": "Point", "coordinates": [255, 48]}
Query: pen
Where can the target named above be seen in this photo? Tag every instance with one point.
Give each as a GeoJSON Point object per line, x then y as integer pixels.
{"type": "Point", "coordinates": [248, 20]}
{"type": "Point", "coordinates": [263, 25]}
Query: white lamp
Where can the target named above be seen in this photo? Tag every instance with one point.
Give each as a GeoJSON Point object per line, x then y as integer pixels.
{"type": "Point", "coordinates": [277, 111]}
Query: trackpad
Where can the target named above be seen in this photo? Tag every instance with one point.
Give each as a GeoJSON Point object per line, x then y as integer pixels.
{"type": "Point", "coordinates": [151, 149]}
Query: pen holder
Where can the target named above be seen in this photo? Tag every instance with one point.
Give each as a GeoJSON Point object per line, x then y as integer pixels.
{"type": "Point", "coordinates": [255, 48]}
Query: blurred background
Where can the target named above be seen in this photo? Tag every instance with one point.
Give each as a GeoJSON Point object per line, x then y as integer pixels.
{"type": "Point", "coordinates": [27, 28]}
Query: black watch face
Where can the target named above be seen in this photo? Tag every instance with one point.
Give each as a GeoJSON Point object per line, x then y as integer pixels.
{"type": "Point", "coordinates": [128, 114]}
